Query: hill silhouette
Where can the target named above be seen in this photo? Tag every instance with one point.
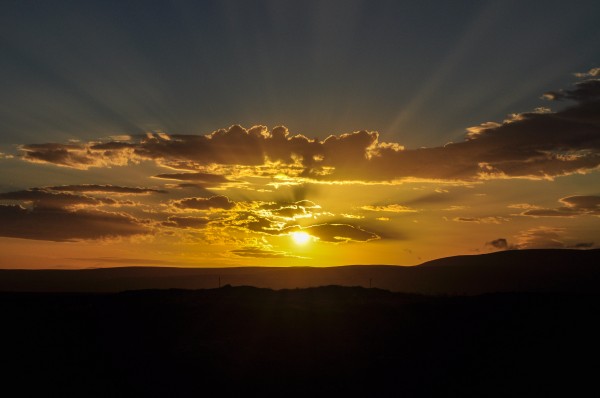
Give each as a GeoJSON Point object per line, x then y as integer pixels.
{"type": "Point", "coordinates": [558, 270]}
{"type": "Point", "coordinates": [329, 340]}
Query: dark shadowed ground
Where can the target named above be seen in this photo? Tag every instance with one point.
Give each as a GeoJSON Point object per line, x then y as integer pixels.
{"type": "Point", "coordinates": [321, 341]}
{"type": "Point", "coordinates": [521, 323]}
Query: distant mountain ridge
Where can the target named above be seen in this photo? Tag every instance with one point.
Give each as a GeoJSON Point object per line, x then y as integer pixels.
{"type": "Point", "coordinates": [539, 270]}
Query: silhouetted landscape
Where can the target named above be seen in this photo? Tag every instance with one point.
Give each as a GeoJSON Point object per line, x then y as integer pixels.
{"type": "Point", "coordinates": [316, 340]}
{"type": "Point", "coordinates": [549, 270]}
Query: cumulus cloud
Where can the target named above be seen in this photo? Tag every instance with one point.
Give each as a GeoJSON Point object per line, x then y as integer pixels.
{"type": "Point", "coordinates": [60, 225]}
{"type": "Point", "coordinates": [214, 202]}
{"type": "Point", "coordinates": [572, 206]}
{"type": "Point", "coordinates": [539, 144]}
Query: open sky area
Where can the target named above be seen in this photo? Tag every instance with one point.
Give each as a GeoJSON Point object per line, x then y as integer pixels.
{"type": "Point", "coordinates": [295, 133]}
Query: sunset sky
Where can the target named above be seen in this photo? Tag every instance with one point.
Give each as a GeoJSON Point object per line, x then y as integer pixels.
{"type": "Point", "coordinates": [295, 133]}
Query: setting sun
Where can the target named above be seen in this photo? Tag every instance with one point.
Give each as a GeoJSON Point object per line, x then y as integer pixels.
{"type": "Point", "coordinates": [300, 238]}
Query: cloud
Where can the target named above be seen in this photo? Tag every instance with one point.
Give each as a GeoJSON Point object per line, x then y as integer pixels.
{"type": "Point", "coordinates": [262, 253]}
{"type": "Point", "coordinates": [500, 244]}
{"type": "Point", "coordinates": [340, 233]}
{"type": "Point", "coordinates": [572, 206]}
{"type": "Point", "coordinates": [540, 238]}
{"type": "Point", "coordinates": [594, 72]}
{"type": "Point", "coordinates": [214, 202]}
{"type": "Point", "coordinates": [79, 156]}
{"type": "Point", "coordinates": [582, 245]}
{"type": "Point", "coordinates": [124, 261]}
{"type": "Point", "coordinates": [186, 222]}
{"type": "Point", "coordinates": [538, 145]}
{"type": "Point", "coordinates": [61, 225]}
{"type": "Point", "coordinates": [583, 203]}
{"type": "Point", "coordinates": [94, 188]}
{"type": "Point", "coordinates": [585, 91]}
{"type": "Point", "coordinates": [289, 210]}
{"type": "Point", "coordinates": [482, 220]}
{"type": "Point", "coordinates": [42, 198]}
{"type": "Point", "coordinates": [201, 177]}
{"type": "Point", "coordinates": [391, 208]}
{"type": "Point", "coordinates": [201, 180]}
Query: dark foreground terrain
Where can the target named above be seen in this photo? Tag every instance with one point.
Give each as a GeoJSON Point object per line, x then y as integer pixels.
{"type": "Point", "coordinates": [541, 270]}
{"type": "Point", "coordinates": [319, 341]}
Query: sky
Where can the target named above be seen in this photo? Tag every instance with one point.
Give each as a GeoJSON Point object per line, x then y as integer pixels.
{"type": "Point", "coordinates": [295, 133]}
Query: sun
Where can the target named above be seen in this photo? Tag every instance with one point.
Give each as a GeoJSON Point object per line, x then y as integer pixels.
{"type": "Point", "coordinates": [300, 238]}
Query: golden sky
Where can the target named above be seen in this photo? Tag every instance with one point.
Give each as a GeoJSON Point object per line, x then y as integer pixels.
{"type": "Point", "coordinates": [267, 196]}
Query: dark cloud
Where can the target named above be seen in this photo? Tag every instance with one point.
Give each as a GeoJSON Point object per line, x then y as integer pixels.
{"type": "Point", "coordinates": [573, 206]}
{"type": "Point", "coordinates": [93, 188]}
{"type": "Point", "coordinates": [500, 244]}
{"type": "Point", "coordinates": [261, 253]}
{"type": "Point", "coordinates": [482, 220]}
{"type": "Point", "coordinates": [256, 223]}
{"type": "Point", "coordinates": [582, 202]}
{"type": "Point", "coordinates": [42, 198]}
{"type": "Point", "coordinates": [340, 233]}
{"type": "Point", "coordinates": [61, 225]}
{"type": "Point", "coordinates": [560, 212]}
{"type": "Point", "coordinates": [539, 238]}
{"type": "Point", "coordinates": [583, 245]}
{"type": "Point", "coordinates": [539, 144]}
{"type": "Point", "coordinates": [214, 202]}
{"type": "Point", "coordinates": [186, 222]}
{"type": "Point", "coordinates": [585, 91]}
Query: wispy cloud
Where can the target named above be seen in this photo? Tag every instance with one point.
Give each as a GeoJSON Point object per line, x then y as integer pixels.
{"type": "Point", "coordinates": [572, 206]}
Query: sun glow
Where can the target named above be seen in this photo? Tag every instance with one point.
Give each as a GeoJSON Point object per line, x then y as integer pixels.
{"type": "Point", "coordinates": [300, 238]}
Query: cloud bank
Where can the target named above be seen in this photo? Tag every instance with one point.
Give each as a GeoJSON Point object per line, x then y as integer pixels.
{"type": "Point", "coordinates": [537, 145]}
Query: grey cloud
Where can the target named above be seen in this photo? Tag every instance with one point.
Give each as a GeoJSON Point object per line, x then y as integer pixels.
{"type": "Point", "coordinates": [61, 225]}
{"type": "Point", "coordinates": [585, 91]}
{"type": "Point", "coordinates": [94, 188]}
{"type": "Point", "coordinates": [46, 199]}
{"type": "Point", "coordinates": [340, 233]}
{"type": "Point", "coordinates": [186, 222]}
{"type": "Point", "coordinates": [582, 202]}
{"type": "Point", "coordinates": [500, 244]}
{"type": "Point", "coordinates": [482, 220]}
{"type": "Point", "coordinates": [214, 202]}
{"type": "Point", "coordinates": [583, 245]}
